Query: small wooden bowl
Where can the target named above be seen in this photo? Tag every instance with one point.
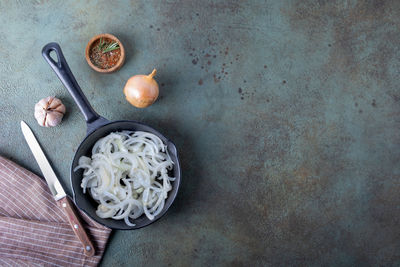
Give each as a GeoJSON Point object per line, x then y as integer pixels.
{"type": "Point", "coordinates": [120, 61]}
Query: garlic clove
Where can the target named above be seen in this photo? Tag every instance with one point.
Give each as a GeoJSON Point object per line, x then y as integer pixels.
{"type": "Point", "coordinates": [49, 111]}
{"type": "Point", "coordinates": [53, 119]}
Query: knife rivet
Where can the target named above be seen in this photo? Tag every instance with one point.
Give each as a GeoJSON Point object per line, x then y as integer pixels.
{"type": "Point", "coordinates": [75, 226]}
{"type": "Point", "coordinates": [87, 248]}
{"type": "Point", "coordinates": [64, 205]}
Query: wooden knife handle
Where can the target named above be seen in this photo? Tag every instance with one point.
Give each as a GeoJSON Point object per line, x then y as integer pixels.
{"type": "Point", "coordinates": [66, 204]}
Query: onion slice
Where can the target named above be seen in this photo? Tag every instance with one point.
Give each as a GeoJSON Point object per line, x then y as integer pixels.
{"type": "Point", "coordinates": [128, 175]}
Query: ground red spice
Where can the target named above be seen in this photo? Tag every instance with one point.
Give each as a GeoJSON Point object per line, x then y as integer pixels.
{"type": "Point", "coordinates": [104, 60]}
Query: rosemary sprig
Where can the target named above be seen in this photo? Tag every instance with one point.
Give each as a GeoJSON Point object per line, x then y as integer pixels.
{"type": "Point", "coordinates": [111, 47]}
{"type": "Point", "coordinates": [104, 48]}
{"type": "Point", "coordinates": [101, 44]}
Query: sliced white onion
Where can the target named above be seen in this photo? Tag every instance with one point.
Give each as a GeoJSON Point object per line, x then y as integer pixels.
{"type": "Point", "coordinates": [127, 174]}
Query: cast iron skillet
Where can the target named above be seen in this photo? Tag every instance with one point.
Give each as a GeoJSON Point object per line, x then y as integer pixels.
{"type": "Point", "coordinates": [98, 127]}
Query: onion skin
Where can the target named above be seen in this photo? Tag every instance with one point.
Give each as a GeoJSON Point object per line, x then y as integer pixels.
{"type": "Point", "coordinates": [141, 90]}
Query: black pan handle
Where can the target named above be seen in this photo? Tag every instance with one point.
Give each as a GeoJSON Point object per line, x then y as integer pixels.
{"type": "Point", "coordinates": [64, 73]}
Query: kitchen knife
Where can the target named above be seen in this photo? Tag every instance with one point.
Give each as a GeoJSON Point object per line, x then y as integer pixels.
{"type": "Point", "coordinates": [56, 190]}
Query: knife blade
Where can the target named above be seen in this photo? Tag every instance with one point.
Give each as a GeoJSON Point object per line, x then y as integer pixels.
{"type": "Point", "coordinates": [57, 190]}
{"type": "Point", "coordinates": [55, 187]}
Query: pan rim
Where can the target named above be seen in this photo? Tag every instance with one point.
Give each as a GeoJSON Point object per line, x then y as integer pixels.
{"type": "Point", "coordinates": [177, 182]}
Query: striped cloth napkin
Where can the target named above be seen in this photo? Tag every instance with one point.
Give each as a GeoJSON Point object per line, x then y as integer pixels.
{"type": "Point", "coordinates": [34, 231]}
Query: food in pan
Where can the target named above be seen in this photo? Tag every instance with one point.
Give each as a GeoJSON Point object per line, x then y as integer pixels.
{"type": "Point", "coordinates": [128, 174]}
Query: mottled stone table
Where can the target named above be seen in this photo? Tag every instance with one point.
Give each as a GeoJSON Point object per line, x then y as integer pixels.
{"type": "Point", "coordinates": [286, 115]}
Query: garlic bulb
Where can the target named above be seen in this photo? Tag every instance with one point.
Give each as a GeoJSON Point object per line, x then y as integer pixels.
{"type": "Point", "coordinates": [49, 111]}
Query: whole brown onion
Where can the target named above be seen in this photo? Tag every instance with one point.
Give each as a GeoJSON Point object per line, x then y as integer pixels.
{"type": "Point", "coordinates": [141, 90]}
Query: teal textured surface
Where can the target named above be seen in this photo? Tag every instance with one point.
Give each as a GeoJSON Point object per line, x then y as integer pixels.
{"type": "Point", "coordinates": [286, 116]}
